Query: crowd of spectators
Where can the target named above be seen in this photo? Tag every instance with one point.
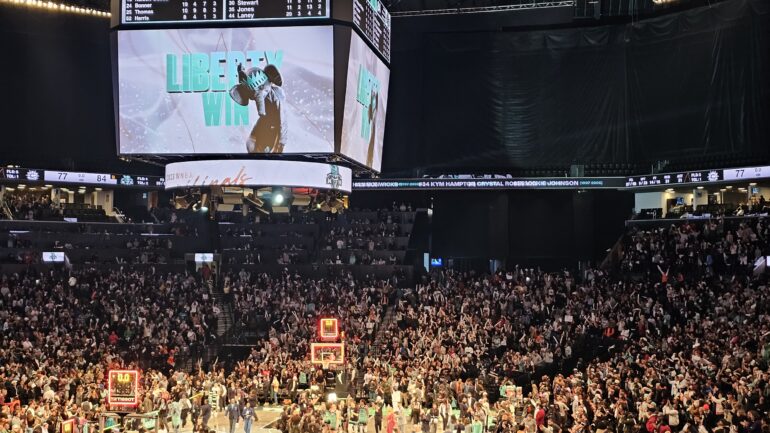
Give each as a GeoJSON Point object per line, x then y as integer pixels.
{"type": "Point", "coordinates": [89, 248]}
{"type": "Point", "coordinates": [30, 205]}
{"type": "Point", "coordinates": [678, 339]}
{"type": "Point", "coordinates": [361, 258]}
{"type": "Point", "coordinates": [368, 240]}
{"type": "Point", "coordinates": [281, 255]}
{"type": "Point", "coordinates": [696, 249]}
{"type": "Point", "coordinates": [72, 318]}
{"type": "Point", "coordinates": [289, 307]}
{"type": "Point", "coordinates": [353, 236]}
{"type": "Point", "coordinates": [689, 353]}
{"type": "Point", "coordinates": [691, 356]}
{"type": "Point", "coordinates": [60, 332]}
{"type": "Point", "coordinates": [355, 239]}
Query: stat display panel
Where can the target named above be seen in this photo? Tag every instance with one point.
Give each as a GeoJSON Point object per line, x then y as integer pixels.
{"type": "Point", "coordinates": [373, 20]}
{"type": "Point", "coordinates": [212, 11]}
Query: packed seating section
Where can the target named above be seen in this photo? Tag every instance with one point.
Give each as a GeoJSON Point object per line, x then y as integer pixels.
{"type": "Point", "coordinates": [674, 337]}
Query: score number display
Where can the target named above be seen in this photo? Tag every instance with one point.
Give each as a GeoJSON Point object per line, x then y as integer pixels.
{"type": "Point", "coordinates": [180, 11]}
{"type": "Point", "coordinates": [747, 173]}
{"type": "Point", "coordinates": [19, 175]}
{"type": "Point", "coordinates": [123, 388]}
{"type": "Point", "coordinates": [76, 177]}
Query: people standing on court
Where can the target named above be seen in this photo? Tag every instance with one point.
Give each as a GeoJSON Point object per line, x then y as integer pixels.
{"type": "Point", "coordinates": [401, 416]}
{"type": "Point", "coordinates": [175, 411]}
{"type": "Point", "coordinates": [390, 422]}
{"type": "Point", "coordinates": [195, 413]}
{"type": "Point", "coordinates": [378, 405]}
{"type": "Point", "coordinates": [274, 387]}
{"type": "Point", "coordinates": [249, 416]}
{"type": "Point", "coordinates": [363, 417]}
{"type": "Point", "coordinates": [186, 407]}
{"type": "Point", "coordinates": [233, 413]}
{"type": "Point", "coordinates": [205, 413]}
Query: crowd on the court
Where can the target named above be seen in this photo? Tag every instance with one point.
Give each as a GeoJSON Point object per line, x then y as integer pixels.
{"type": "Point", "coordinates": [688, 352]}
{"type": "Point", "coordinates": [678, 341]}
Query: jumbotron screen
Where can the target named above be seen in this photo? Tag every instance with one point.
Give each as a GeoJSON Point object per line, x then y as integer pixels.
{"type": "Point", "coordinates": [366, 101]}
{"type": "Point", "coordinates": [226, 90]}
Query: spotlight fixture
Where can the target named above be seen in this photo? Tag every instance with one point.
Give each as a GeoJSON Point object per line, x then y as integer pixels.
{"type": "Point", "coordinates": [205, 203]}
{"type": "Point", "coordinates": [278, 199]}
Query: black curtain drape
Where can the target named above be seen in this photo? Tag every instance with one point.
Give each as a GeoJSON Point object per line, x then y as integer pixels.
{"type": "Point", "coordinates": [681, 85]}
{"type": "Point", "coordinates": [698, 81]}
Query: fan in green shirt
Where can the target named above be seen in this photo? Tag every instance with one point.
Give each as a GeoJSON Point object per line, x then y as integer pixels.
{"type": "Point", "coordinates": [363, 416]}
{"type": "Point", "coordinates": [477, 426]}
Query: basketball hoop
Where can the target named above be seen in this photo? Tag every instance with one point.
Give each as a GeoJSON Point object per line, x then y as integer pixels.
{"type": "Point", "coordinates": [326, 354]}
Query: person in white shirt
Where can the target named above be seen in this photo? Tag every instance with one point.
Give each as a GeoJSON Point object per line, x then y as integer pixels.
{"type": "Point", "coordinates": [671, 413]}
{"type": "Point", "coordinates": [395, 398]}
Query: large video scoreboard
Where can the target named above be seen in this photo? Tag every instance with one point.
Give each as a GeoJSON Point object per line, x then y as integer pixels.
{"type": "Point", "coordinates": [308, 78]}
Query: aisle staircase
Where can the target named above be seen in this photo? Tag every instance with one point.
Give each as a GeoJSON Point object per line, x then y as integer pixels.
{"type": "Point", "coordinates": [225, 319]}
{"type": "Point", "coordinates": [211, 353]}
{"type": "Point", "coordinates": [378, 346]}
{"type": "Point", "coordinates": [6, 210]}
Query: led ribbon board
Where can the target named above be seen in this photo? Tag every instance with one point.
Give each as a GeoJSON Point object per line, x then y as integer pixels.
{"type": "Point", "coordinates": [258, 172]}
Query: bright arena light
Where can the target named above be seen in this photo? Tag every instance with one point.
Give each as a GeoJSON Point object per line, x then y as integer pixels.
{"type": "Point", "coordinates": [51, 6]}
{"type": "Point", "coordinates": [278, 199]}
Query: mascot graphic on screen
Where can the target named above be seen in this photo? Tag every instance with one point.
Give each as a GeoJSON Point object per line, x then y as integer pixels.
{"type": "Point", "coordinates": [372, 118]}
{"type": "Point", "coordinates": [368, 96]}
{"type": "Point", "coordinates": [264, 87]}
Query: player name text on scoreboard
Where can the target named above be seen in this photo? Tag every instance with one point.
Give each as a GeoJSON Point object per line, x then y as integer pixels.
{"type": "Point", "coordinates": [175, 11]}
